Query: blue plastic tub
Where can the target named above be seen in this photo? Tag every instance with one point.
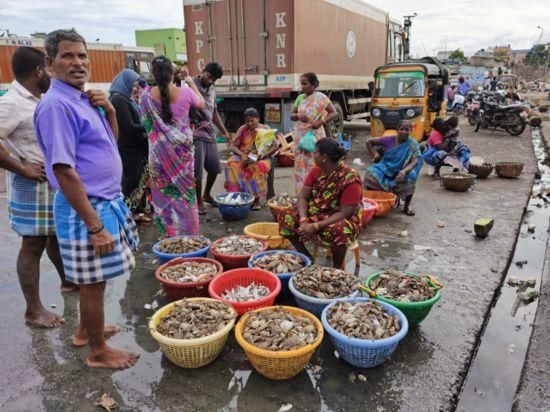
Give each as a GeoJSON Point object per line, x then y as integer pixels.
{"type": "Point", "coordinates": [364, 353]}
{"type": "Point", "coordinates": [284, 277]}
{"type": "Point", "coordinates": [311, 304]}
{"type": "Point", "coordinates": [233, 212]}
{"type": "Point", "coordinates": [166, 257]}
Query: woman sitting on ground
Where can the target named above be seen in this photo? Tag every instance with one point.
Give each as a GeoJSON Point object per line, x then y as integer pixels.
{"type": "Point", "coordinates": [397, 170]}
{"type": "Point", "coordinates": [249, 165]}
{"type": "Point", "coordinates": [445, 147]}
{"type": "Point", "coordinates": [328, 210]}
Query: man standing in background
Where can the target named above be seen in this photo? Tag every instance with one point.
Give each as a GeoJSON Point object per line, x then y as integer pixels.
{"type": "Point", "coordinates": [30, 196]}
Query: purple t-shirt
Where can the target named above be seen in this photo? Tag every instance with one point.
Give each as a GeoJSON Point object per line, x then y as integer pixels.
{"type": "Point", "coordinates": [71, 131]}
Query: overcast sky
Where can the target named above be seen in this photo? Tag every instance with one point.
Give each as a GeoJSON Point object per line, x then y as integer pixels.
{"type": "Point", "coordinates": [465, 24]}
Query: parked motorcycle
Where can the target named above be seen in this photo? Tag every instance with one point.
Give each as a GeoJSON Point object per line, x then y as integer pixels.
{"type": "Point", "coordinates": [491, 114]}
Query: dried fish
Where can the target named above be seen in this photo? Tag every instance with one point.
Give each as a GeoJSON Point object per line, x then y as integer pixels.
{"type": "Point", "coordinates": [396, 285]}
{"type": "Point", "coordinates": [281, 262]}
{"type": "Point", "coordinates": [363, 320]}
{"type": "Point", "coordinates": [246, 293]}
{"type": "Point", "coordinates": [457, 176]}
{"type": "Point", "coordinates": [106, 402]}
{"type": "Point", "coordinates": [195, 319]}
{"type": "Point", "coordinates": [324, 283]}
{"type": "Point", "coordinates": [283, 200]}
{"type": "Point", "coordinates": [279, 330]}
{"type": "Point", "coordinates": [188, 272]}
{"type": "Point", "coordinates": [238, 246]}
{"type": "Point", "coordinates": [183, 244]}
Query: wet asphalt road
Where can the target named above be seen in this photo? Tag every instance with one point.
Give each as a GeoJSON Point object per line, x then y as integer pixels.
{"type": "Point", "coordinates": [42, 371]}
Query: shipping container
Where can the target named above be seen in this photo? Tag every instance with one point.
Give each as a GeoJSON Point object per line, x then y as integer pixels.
{"type": "Point", "coordinates": [107, 60]}
{"type": "Point", "coordinates": [264, 46]}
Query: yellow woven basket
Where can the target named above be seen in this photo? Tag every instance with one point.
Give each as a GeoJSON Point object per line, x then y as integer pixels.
{"type": "Point", "coordinates": [269, 232]}
{"type": "Point", "coordinates": [190, 353]}
{"type": "Point", "coordinates": [284, 364]}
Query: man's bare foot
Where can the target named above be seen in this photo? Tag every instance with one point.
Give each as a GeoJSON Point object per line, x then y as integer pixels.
{"type": "Point", "coordinates": [209, 199]}
{"type": "Point", "coordinates": [111, 358]}
{"type": "Point", "coordinates": [44, 319]}
{"type": "Point", "coordinates": [202, 209]}
{"type": "Point", "coordinates": [82, 338]}
{"type": "Point", "coordinates": [68, 287]}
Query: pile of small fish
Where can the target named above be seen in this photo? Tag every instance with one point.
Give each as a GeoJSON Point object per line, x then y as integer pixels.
{"type": "Point", "coordinates": [246, 293]}
{"type": "Point", "coordinates": [457, 176]}
{"type": "Point", "coordinates": [283, 200]}
{"type": "Point", "coordinates": [279, 263]}
{"type": "Point", "coordinates": [324, 283]}
{"type": "Point", "coordinates": [279, 330]}
{"type": "Point", "coordinates": [396, 285]}
{"type": "Point", "coordinates": [363, 320]}
{"type": "Point", "coordinates": [234, 199]}
{"type": "Point", "coordinates": [238, 246]}
{"type": "Point", "coordinates": [190, 272]}
{"type": "Point", "coordinates": [192, 320]}
{"type": "Point", "coordinates": [183, 244]}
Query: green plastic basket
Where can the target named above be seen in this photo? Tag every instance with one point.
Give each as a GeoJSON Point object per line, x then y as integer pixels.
{"type": "Point", "coordinates": [415, 312]}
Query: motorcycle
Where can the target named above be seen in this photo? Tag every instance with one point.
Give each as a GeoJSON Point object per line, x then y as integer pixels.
{"type": "Point", "coordinates": [492, 115]}
{"type": "Point", "coordinates": [458, 104]}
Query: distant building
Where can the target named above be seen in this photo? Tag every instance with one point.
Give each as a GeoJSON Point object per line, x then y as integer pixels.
{"type": "Point", "coordinates": [443, 55]}
{"type": "Point", "coordinates": [167, 42]}
{"type": "Point", "coordinates": [519, 55]}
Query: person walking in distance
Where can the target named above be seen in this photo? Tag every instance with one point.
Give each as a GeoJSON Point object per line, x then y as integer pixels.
{"type": "Point", "coordinates": [30, 196]}
{"type": "Point", "coordinates": [204, 135]}
{"type": "Point", "coordinates": [77, 132]}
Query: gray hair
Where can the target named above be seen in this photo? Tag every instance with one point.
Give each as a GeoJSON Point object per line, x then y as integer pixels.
{"type": "Point", "coordinates": [55, 37]}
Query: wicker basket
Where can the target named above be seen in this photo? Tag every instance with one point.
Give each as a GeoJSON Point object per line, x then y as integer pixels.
{"type": "Point", "coordinates": [449, 182]}
{"type": "Point", "coordinates": [509, 169]}
{"type": "Point", "coordinates": [281, 364]}
{"type": "Point", "coordinates": [190, 353]}
{"type": "Point", "coordinates": [268, 232]}
{"type": "Point", "coordinates": [481, 171]}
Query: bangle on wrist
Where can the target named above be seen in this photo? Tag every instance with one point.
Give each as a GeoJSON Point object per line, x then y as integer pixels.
{"type": "Point", "coordinates": [96, 231]}
{"type": "Point", "coordinates": [316, 226]}
{"type": "Point", "coordinates": [303, 219]}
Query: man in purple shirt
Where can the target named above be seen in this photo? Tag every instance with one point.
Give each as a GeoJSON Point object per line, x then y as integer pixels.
{"type": "Point", "coordinates": [76, 131]}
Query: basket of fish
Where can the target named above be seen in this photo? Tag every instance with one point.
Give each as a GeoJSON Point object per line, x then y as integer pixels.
{"type": "Point", "coordinates": [482, 170]}
{"type": "Point", "coordinates": [234, 251]}
{"type": "Point", "coordinates": [235, 205]}
{"type": "Point", "coordinates": [279, 340]}
{"type": "Point", "coordinates": [283, 263]}
{"type": "Point", "coordinates": [281, 203]}
{"type": "Point", "coordinates": [412, 294]}
{"type": "Point", "coordinates": [365, 332]}
{"type": "Point", "coordinates": [187, 277]}
{"type": "Point", "coordinates": [268, 231]}
{"type": "Point", "coordinates": [245, 289]}
{"type": "Point", "coordinates": [315, 286]}
{"type": "Point", "coordinates": [458, 182]}
{"type": "Point", "coordinates": [181, 246]}
{"type": "Point", "coordinates": [192, 332]}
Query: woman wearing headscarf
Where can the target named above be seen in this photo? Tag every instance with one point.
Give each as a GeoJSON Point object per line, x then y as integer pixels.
{"type": "Point", "coordinates": [132, 143]}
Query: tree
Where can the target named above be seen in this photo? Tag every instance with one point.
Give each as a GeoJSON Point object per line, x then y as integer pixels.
{"type": "Point", "coordinates": [538, 55]}
{"type": "Point", "coordinates": [458, 55]}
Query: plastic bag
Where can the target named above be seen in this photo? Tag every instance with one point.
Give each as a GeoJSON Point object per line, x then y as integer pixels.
{"type": "Point", "coordinates": [264, 140]}
{"type": "Point", "coordinates": [307, 143]}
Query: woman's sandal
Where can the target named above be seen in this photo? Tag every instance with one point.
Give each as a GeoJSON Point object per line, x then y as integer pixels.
{"type": "Point", "coordinates": [409, 212]}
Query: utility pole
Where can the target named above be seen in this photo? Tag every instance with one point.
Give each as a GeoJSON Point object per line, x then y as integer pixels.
{"type": "Point", "coordinates": [407, 26]}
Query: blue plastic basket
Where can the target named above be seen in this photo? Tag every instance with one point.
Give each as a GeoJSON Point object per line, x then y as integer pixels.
{"type": "Point", "coordinates": [232, 212]}
{"type": "Point", "coordinates": [284, 277]}
{"type": "Point", "coordinates": [364, 353]}
{"type": "Point", "coordinates": [311, 304]}
{"type": "Point", "coordinates": [165, 257]}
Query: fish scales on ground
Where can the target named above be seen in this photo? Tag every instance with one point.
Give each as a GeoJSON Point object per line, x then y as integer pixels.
{"type": "Point", "coordinates": [238, 246]}
{"type": "Point", "coordinates": [192, 320]}
{"type": "Point", "coordinates": [248, 293]}
{"type": "Point", "coordinates": [396, 285]}
{"type": "Point", "coordinates": [184, 244]}
{"type": "Point", "coordinates": [280, 263]}
{"type": "Point", "coordinates": [324, 282]}
{"type": "Point", "coordinates": [279, 330]}
{"type": "Point", "coordinates": [363, 320]}
{"type": "Point", "coordinates": [188, 272]}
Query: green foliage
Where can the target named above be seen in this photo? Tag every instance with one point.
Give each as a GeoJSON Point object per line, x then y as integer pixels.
{"type": "Point", "coordinates": [457, 55]}
{"type": "Point", "coordinates": [538, 56]}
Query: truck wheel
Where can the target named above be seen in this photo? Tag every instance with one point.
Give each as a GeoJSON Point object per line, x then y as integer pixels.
{"type": "Point", "coordinates": [338, 123]}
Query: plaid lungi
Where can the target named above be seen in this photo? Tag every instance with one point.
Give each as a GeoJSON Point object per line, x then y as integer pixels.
{"type": "Point", "coordinates": [82, 265]}
{"type": "Point", "coordinates": [30, 206]}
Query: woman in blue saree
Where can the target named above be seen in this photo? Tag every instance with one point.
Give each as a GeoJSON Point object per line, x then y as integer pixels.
{"type": "Point", "coordinates": [397, 170]}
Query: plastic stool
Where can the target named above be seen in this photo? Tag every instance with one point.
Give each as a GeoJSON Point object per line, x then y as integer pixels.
{"type": "Point", "coordinates": [353, 247]}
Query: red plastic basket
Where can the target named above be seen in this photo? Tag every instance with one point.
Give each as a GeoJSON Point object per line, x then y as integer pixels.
{"type": "Point", "coordinates": [245, 277]}
{"type": "Point", "coordinates": [176, 291]}
{"type": "Point", "coordinates": [235, 261]}
{"type": "Point", "coordinates": [370, 207]}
